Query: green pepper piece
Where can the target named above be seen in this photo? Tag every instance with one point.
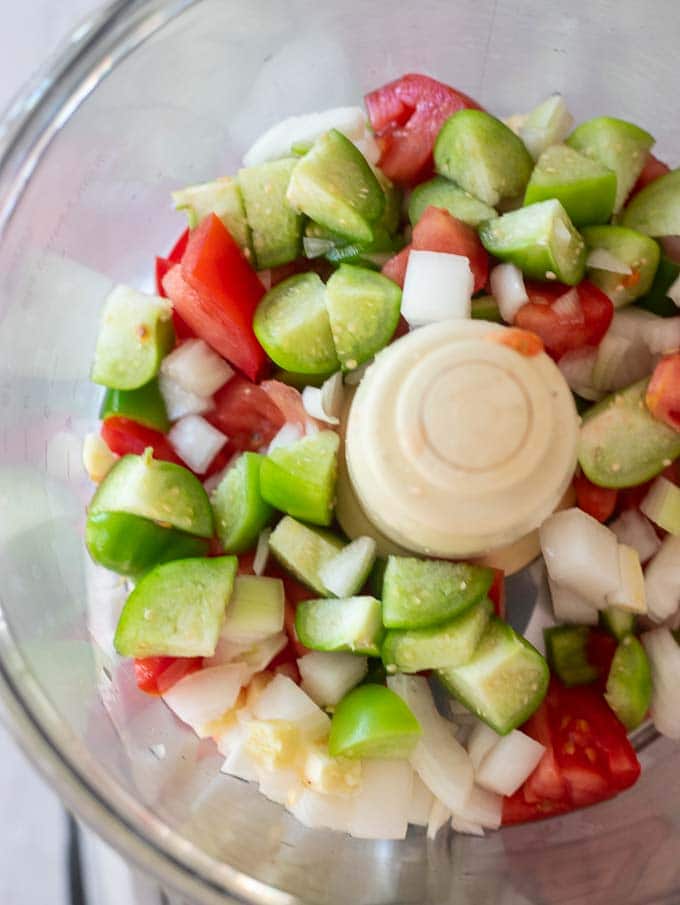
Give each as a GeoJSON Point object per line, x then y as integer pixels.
{"type": "Point", "coordinates": [629, 685]}
{"type": "Point", "coordinates": [618, 622]}
{"type": "Point", "coordinates": [240, 511]}
{"type": "Point", "coordinates": [304, 551]}
{"type": "Point", "coordinates": [177, 609]}
{"type": "Point", "coordinates": [373, 721]}
{"type": "Point", "coordinates": [145, 406]}
{"type": "Point", "coordinates": [131, 545]}
{"type": "Point", "coordinates": [567, 649]}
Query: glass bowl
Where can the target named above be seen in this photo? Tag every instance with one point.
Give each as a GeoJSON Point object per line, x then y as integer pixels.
{"type": "Point", "coordinates": [147, 96]}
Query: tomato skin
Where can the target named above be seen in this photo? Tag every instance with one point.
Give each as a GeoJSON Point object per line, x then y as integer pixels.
{"type": "Point", "coordinates": [246, 414]}
{"type": "Point", "coordinates": [438, 230]}
{"type": "Point", "coordinates": [216, 291]}
{"type": "Point", "coordinates": [653, 169]}
{"type": "Point", "coordinates": [163, 266]}
{"type": "Point", "coordinates": [156, 675]}
{"type": "Point", "coordinates": [600, 502]}
{"type": "Point", "coordinates": [562, 333]}
{"type": "Point", "coordinates": [124, 436]}
{"type": "Point", "coordinates": [406, 115]}
{"type": "Point", "coordinates": [663, 392]}
{"type": "Point", "coordinates": [496, 592]}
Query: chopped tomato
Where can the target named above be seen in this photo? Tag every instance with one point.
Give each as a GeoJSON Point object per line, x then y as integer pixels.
{"type": "Point", "coordinates": [588, 756]}
{"type": "Point", "coordinates": [522, 341]}
{"type": "Point", "coordinates": [600, 651]}
{"type": "Point", "coordinates": [288, 400]}
{"type": "Point", "coordinates": [163, 265]}
{"type": "Point", "coordinates": [246, 414]}
{"type": "Point", "coordinates": [216, 291]}
{"type": "Point", "coordinates": [438, 230]}
{"type": "Point", "coordinates": [600, 502]}
{"type": "Point", "coordinates": [564, 330]}
{"type": "Point", "coordinates": [124, 436]}
{"type": "Point", "coordinates": [651, 171]}
{"type": "Point", "coordinates": [631, 497]}
{"type": "Point", "coordinates": [663, 391]}
{"type": "Point", "coordinates": [406, 115]}
{"type": "Point", "coordinates": [496, 593]}
{"type": "Point", "coordinates": [156, 675]}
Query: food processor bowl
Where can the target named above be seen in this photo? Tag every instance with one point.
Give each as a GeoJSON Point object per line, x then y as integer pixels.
{"type": "Point", "coordinates": [148, 96]}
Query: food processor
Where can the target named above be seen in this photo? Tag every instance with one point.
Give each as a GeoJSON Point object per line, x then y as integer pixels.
{"type": "Point", "coordinates": [148, 96]}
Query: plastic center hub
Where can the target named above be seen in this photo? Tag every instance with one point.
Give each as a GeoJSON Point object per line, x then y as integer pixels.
{"type": "Point", "coordinates": [455, 444]}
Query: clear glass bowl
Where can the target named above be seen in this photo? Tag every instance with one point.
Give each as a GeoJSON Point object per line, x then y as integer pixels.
{"type": "Point", "coordinates": [146, 97]}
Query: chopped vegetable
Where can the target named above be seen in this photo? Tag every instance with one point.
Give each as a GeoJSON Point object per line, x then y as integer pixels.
{"type": "Point", "coordinates": [196, 442]}
{"type": "Point", "coordinates": [629, 686]}
{"type": "Point", "coordinates": [567, 647]}
{"type": "Point", "coordinates": [197, 368]}
{"type": "Point", "coordinates": [662, 395]}
{"type": "Point", "coordinates": [144, 405]}
{"type": "Point", "coordinates": [662, 505]}
{"type": "Point", "coordinates": [662, 580]}
{"type": "Point", "coordinates": [372, 721]}
{"type": "Point", "coordinates": [255, 610]}
{"type": "Point", "coordinates": [276, 229]}
{"type": "Point", "coordinates": [304, 551]}
{"type": "Point", "coordinates": [664, 659]}
{"type": "Point", "coordinates": [437, 287]}
{"type": "Point", "coordinates": [328, 676]}
{"type": "Point", "coordinates": [442, 193]}
{"type": "Point", "coordinates": [346, 573]}
{"type": "Point", "coordinates": [353, 624]}
{"type": "Point", "coordinates": [240, 511]}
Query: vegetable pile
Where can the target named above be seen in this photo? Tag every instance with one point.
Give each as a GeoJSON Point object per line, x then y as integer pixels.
{"type": "Point", "coordinates": [307, 651]}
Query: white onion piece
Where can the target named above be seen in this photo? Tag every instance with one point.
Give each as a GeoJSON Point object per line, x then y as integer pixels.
{"type": "Point", "coordinates": [288, 434]}
{"type": "Point", "coordinates": [662, 334]}
{"type": "Point", "coordinates": [546, 125]}
{"type": "Point", "coordinates": [581, 554]}
{"type": "Point", "coordinates": [602, 259]}
{"type": "Point", "coordinates": [328, 676]}
{"type": "Point", "coordinates": [262, 552]}
{"type": "Point", "coordinates": [571, 607]}
{"type": "Point", "coordinates": [239, 762]}
{"type": "Point", "coordinates": [197, 368]}
{"type": "Point", "coordinates": [577, 369]}
{"type": "Point", "coordinates": [315, 247]}
{"type": "Point", "coordinates": [368, 146]}
{"type": "Point", "coordinates": [382, 804]}
{"type": "Point", "coordinates": [345, 573]}
{"type": "Point", "coordinates": [98, 460]}
{"type": "Point", "coordinates": [511, 760]}
{"type": "Point", "coordinates": [460, 825]}
{"type": "Point", "coordinates": [206, 695]}
{"type": "Point", "coordinates": [312, 401]}
{"type": "Point", "coordinates": [673, 291]}
{"type": "Point", "coordinates": [507, 287]}
{"type": "Point", "coordinates": [318, 811]}
{"type": "Point", "coordinates": [482, 808]}
{"type": "Point", "coordinates": [253, 657]}
{"type": "Point", "coordinates": [627, 324]}
{"type": "Point", "coordinates": [437, 287]}
{"type": "Point", "coordinates": [481, 741]}
{"type": "Point", "coordinates": [439, 815]}
{"type": "Point", "coordinates": [636, 531]}
{"type": "Point", "coordinates": [278, 140]}
{"type": "Point", "coordinates": [280, 786]}
{"type": "Point", "coordinates": [354, 377]}
{"type": "Point", "coordinates": [660, 504]}
{"type": "Point", "coordinates": [611, 355]}
{"type": "Point", "coordinates": [180, 402]}
{"type": "Point", "coordinates": [664, 658]}
{"type": "Point", "coordinates": [196, 442]}
{"type": "Point", "coordinates": [440, 761]}
{"type": "Point", "coordinates": [671, 247]}
{"type": "Point", "coordinates": [567, 306]}
{"type": "Point", "coordinates": [332, 395]}
{"type": "Point", "coordinates": [282, 699]}
{"type": "Point", "coordinates": [630, 594]}
{"type": "Point", "coordinates": [662, 580]}
{"type": "Point", "coordinates": [421, 802]}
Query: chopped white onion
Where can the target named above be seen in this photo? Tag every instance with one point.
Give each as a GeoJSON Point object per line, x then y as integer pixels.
{"type": "Point", "coordinates": [481, 741]}
{"type": "Point", "coordinates": [541, 618]}
{"type": "Point", "coordinates": [581, 554]}
{"type": "Point", "coordinates": [262, 552]}
{"type": "Point", "coordinates": [282, 699]}
{"type": "Point", "coordinates": [312, 400]}
{"type": "Point", "coordinates": [511, 760]}
{"type": "Point", "coordinates": [287, 435]}
{"type": "Point", "coordinates": [254, 657]}
{"type": "Point", "coordinates": [315, 247]}
{"type": "Point", "coordinates": [328, 676]}
{"type": "Point", "coordinates": [204, 696]}
{"type": "Point", "coordinates": [634, 530]}
{"type": "Point", "coordinates": [637, 362]}
{"type": "Point", "coordinates": [318, 811]}
{"type": "Point", "coordinates": [630, 594]}
{"type": "Point", "coordinates": [382, 804]}
{"type": "Point", "coordinates": [611, 355]}
{"type": "Point", "coordinates": [577, 369]}
{"type": "Point", "coordinates": [437, 287]}
{"type": "Point", "coordinates": [421, 802]}
{"type": "Point", "coordinates": [662, 334]}
{"type": "Point", "coordinates": [602, 259]}
{"type": "Point", "coordinates": [482, 808]}
{"type": "Point", "coordinates": [571, 607]}
{"type": "Point", "coordinates": [460, 825]}
{"type": "Point", "coordinates": [664, 659]}
{"type": "Point", "coordinates": [440, 761]}
{"type": "Point", "coordinates": [333, 395]}
{"type": "Point", "coordinates": [196, 442]}
{"type": "Point", "coordinates": [662, 580]}
{"type": "Point", "coordinates": [98, 460]}
{"type": "Point", "coordinates": [345, 573]}
{"type": "Point", "coordinates": [547, 124]}
{"type": "Point", "coordinates": [278, 140]}
{"type": "Point", "coordinates": [280, 786]}
{"type": "Point", "coordinates": [673, 291]}
{"type": "Point", "coordinates": [239, 762]}
{"type": "Point", "coordinates": [507, 287]}
{"type": "Point", "coordinates": [197, 368]}
{"type": "Point", "coordinates": [354, 377]}
{"type": "Point", "coordinates": [180, 402]}
{"type": "Point", "coordinates": [568, 307]}
{"type": "Point", "coordinates": [331, 775]}
{"type": "Point", "coordinates": [661, 505]}
{"type": "Point", "coordinates": [439, 815]}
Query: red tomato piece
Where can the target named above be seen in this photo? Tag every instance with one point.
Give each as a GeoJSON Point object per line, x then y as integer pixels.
{"type": "Point", "coordinates": [156, 675]}
{"type": "Point", "coordinates": [216, 291]}
{"type": "Point", "coordinates": [663, 391]}
{"type": "Point", "coordinates": [406, 115]}
{"type": "Point", "coordinates": [562, 331]}
{"type": "Point", "coordinates": [124, 436]}
{"type": "Point", "coordinates": [438, 230]}
{"type": "Point", "coordinates": [600, 651]}
{"type": "Point", "coordinates": [496, 593]}
{"type": "Point", "coordinates": [600, 502]}
{"type": "Point", "coordinates": [246, 414]}
{"type": "Point", "coordinates": [651, 171]}
{"type": "Point", "coordinates": [163, 265]}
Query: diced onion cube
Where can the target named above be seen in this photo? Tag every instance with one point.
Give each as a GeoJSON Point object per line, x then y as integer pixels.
{"type": "Point", "coordinates": [634, 530]}
{"type": "Point", "coordinates": [312, 400]}
{"type": "Point", "coordinates": [664, 658]}
{"type": "Point", "coordinates": [332, 395]}
{"type": "Point", "coordinates": [345, 573]}
{"type": "Point", "coordinates": [481, 741]}
{"type": "Point", "coordinates": [662, 580]}
{"type": "Point", "coordinates": [571, 607]}
{"type": "Point", "coordinates": [262, 552]}
{"type": "Point", "coordinates": [630, 594]}
{"type": "Point", "coordinates": [437, 287]}
{"type": "Point", "coordinates": [180, 402]}
{"type": "Point", "coordinates": [439, 815]}
{"type": "Point", "coordinates": [662, 505]}
{"type": "Point", "coordinates": [288, 434]}
{"type": "Point", "coordinates": [204, 696]}
{"type": "Point", "coordinates": [277, 141]}
{"type": "Point", "coordinates": [196, 442]}
{"type": "Point", "coordinates": [421, 802]}
{"type": "Point", "coordinates": [328, 676]}
{"type": "Point", "coordinates": [507, 287]}
{"type": "Point", "coordinates": [511, 760]}
{"type": "Point", "coordinates": [197, 368]}
{"type": "Point", "coordinates": [282, 699]}
{"type": "Point", "coordinates": [381, 806]}
{"type": "Point", "coordinates": [662, 334]}
{"type": "Point", "coordinates": [577, 369]}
